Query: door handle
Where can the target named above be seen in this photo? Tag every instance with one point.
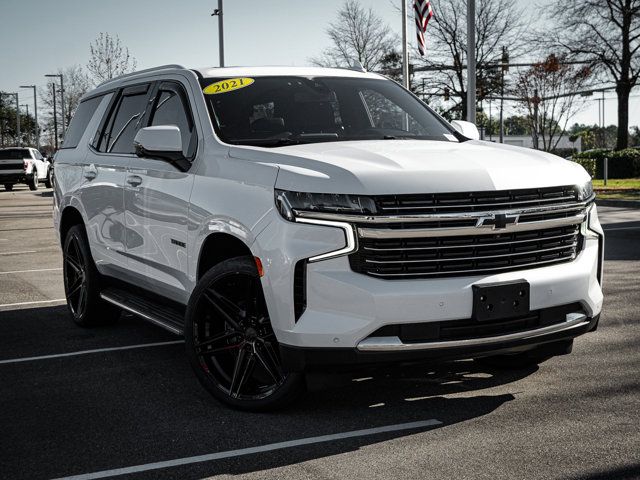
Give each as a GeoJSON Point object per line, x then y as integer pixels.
{"type": "Point", "coordinates": [134, 180]}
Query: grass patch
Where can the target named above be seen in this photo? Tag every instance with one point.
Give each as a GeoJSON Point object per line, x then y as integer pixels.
{"type": "Point", "coordinates": [618, 184]}
{"type": "Point", "coordinates": [621, 195]}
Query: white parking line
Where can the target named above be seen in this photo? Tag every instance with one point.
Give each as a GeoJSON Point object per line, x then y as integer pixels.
{"type": "Point", "coordinates": [86, 352]}
{"type": "Point", "coordinates": [620, 228]}
{"type": "Point", "coordinates": [29, 271]}
{"type": "Point", "coordinates": [57, 300]}
{"type": "Point", "coordinates": [18, 253]}
{"type": "Point", "coordinates": [251, 450]}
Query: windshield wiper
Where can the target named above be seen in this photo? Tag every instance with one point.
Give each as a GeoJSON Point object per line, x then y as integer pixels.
{"type": "Point", "coordinates": [286, 139]}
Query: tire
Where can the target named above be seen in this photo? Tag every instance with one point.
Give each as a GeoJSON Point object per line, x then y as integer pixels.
{"type": "Point", "coordinates": [33, 181]}
{"type": "Point", "coordinates": [8, 187]}
{"type": "Point", "coordinates": [82, 282]}
{"type": "Point", "coordinates": [230, 343]}
{"type": "Point", "coordinates": [48, 182]}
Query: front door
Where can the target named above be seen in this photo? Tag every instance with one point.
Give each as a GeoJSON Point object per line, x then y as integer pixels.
{"type": "Point", "coordinates": [157, 202]}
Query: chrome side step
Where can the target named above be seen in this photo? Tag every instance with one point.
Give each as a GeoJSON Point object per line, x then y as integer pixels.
{"type": "Point", "coordinates": [166, 317]}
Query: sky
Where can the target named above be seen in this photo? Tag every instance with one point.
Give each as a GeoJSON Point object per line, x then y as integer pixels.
{"type": "Point", "coordinates": [40, 36]}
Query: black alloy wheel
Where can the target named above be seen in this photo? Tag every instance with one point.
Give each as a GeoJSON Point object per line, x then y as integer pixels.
{"type": "Point", "coordinates": [82, 282]}
{"type": "Point", "coordinates": [230, 342]}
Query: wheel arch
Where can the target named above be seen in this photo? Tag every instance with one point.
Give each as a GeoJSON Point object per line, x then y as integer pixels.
{"type": "Point", "coordinates": [70, 216]}
{"type": "Point", "coordinates": [218, 247]}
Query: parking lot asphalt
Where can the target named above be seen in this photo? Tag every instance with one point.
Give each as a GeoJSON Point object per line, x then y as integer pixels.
{"type": "Point", "coordinates": [88, 402]}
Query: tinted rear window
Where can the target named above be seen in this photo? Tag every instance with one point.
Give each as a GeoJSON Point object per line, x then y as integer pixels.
{"type": "Point", "coordinates": [15, 154]}
{"type": "Point", "coordinates": [80, 120]}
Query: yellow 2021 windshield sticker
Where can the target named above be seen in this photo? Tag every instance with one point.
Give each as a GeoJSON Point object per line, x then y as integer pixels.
{"type": "Point", "coordinates": [228, 85]}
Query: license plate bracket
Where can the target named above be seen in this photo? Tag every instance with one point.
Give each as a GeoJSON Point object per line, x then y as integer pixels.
{"type": "Point", "coordinates": [499, 301]}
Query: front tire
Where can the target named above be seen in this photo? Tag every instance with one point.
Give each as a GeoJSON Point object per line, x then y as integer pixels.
{"type": "Point", "coordinates": [82, 282]}
{"type": "Point", "coordinates": [230, 342]}
{"type": "Point", "coordinates": [33, 181]}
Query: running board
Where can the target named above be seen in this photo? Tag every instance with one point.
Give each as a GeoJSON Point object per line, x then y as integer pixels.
{"type": "Point", "coordinates": [164, 316]}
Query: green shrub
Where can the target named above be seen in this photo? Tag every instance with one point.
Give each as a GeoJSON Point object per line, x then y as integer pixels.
{"type": "Point", "coordinates": [622, 164]}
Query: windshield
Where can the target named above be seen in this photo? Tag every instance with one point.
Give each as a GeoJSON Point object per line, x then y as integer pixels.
{"type": "Point", "coordinates": [14, 154]}
{"type": "Point", "coordinates": [286, 110]}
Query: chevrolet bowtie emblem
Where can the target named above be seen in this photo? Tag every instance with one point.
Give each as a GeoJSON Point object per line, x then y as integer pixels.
{"type": "Point", "coordinates": [498, 221]}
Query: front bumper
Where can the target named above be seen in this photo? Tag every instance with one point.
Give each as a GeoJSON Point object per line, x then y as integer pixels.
{"type": "Point", "coordinates": [344, 308]}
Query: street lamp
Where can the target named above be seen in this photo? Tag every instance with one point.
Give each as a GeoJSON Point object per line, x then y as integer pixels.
{"type": "Point", "coordinates": [35, 113]}
{"type": "Point", "coordinates": [15, 95]}
{"type": "Point", "coordinates": [59, 75]}
{"type": "Point", "coordinates": [218, 13]}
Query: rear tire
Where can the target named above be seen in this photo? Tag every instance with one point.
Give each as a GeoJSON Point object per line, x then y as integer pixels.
{"type": "Point", "coordinates": [8, 187]}
{"type": "Point", "coordinates": [230, 343]}
{"type": "Point", "coordinates": [48, 182]}
{"type": "Point", "coordinates": [82, 282]}
{"type": "Point", "coordinates": [33, 181]}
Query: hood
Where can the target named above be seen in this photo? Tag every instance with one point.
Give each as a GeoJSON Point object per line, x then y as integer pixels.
{"type": "Point", "coordinates": [413, 166]}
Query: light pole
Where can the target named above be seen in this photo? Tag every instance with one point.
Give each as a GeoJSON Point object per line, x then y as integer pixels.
{"type": "Point", "coordinates": [35, 113]}
{"type": "Point", "coordinates": [60, 76]}
{"type": "Point", "coordinates": [405, 49]}
{"type": "Point", "coordinates": [26, 107]}
{"type": "Point", "coordinates": [218, 13]}
{"type": "Point", "coordinates": [471, 61]}
{"type": "Point", "coordinates": [55, 117]}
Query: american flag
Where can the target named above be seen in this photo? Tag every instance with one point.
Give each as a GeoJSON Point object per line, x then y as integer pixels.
{"type": "Point", "coordinates": [423, 12]}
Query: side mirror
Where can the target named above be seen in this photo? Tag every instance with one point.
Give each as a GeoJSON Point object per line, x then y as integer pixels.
{"type": "Point", "coordinates": [162, 142]}
{"type": "Point", "coordinates": [467, 129]}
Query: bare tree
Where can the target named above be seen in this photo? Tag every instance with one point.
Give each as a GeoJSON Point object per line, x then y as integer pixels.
{"type": "Point", "coordinates": [76, 84]}
{"type": "Point", "coordinates": [108, 58]}
{"type": "Point", "coordinates": [499, 23]}
{"type": "Point", "coordinates": [357, 34]}
{"type": "Point", "coordinates": [548, 90]}
{"type": "Point", "coordinates": [607, 32]}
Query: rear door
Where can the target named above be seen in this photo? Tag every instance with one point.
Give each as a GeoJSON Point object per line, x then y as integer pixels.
{"type": "Point", "coordinates": [105, 169]}
{"type": "Point", "coordinates": [157, 201]}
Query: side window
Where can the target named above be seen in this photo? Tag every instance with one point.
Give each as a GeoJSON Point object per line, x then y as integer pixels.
{"type": "Point", "coordinates": [126, 119]}
{"type": "Point", "coordinates": [172, 108]}
{"type": "Point", "coordinates": [79, 122]}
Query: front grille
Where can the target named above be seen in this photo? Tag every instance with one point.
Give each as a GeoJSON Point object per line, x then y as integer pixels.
{"type": "Point", "coordinates": [433, 257]}
{"type": "Point", "coordinates": [475, 201]}
{"type": "Point", "coordinates": [468, 329]}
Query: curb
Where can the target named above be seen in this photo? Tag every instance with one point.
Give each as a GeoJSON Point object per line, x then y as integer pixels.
{"type": "Point", "coordinates": [619, 203]}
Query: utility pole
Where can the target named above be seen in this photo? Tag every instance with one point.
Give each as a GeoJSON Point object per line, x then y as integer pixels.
{"type": "Point", "coordinates": [536, 110]}
{"type": "Point", "coordinates": [471, 61]}
{"type": "Point", "coordinates": [55, 116]}
{"type": "Point", "coordinates": [35, 113]}
{"type": "Point", "coordinates": [26, 107]}
{"type": "Point", "coordinates": [60, 76]}
{"type": "Point", "coordinates": [505, 68]}
{"type": "Point", "coordinates": [218, 13]}
{"type": "Point", "coordinates": [405, 49]}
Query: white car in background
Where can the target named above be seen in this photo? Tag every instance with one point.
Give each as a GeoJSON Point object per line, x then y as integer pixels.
{"type": "Point", "coordinates": [291, 219]}
{"type": "Point", "coordinates": [23, 165]}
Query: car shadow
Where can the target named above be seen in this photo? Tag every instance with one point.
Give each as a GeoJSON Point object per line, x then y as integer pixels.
{"type": "Point", "coordinates": [145, 405]}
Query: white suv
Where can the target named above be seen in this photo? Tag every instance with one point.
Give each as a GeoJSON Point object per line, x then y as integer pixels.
{"type": "Point", "coordinates": [289, 219]}
{"type": "Point", "coordinates": [24, 165]}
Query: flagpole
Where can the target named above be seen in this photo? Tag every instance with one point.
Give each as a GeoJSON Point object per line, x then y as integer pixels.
{"type": "Point", "coordinates": [471, 61]}
{"type": "Point", "coordinates": [405, 50]}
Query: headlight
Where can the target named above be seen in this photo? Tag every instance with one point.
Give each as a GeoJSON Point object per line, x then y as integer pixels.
{"type": "Point", "coordinates": [289, 202]}
{"type": "Point", "coordinates": [585, 191]}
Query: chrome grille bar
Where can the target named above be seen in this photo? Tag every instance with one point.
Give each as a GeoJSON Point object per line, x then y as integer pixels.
{"type": "Point", "coordinates": [483, 257]}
